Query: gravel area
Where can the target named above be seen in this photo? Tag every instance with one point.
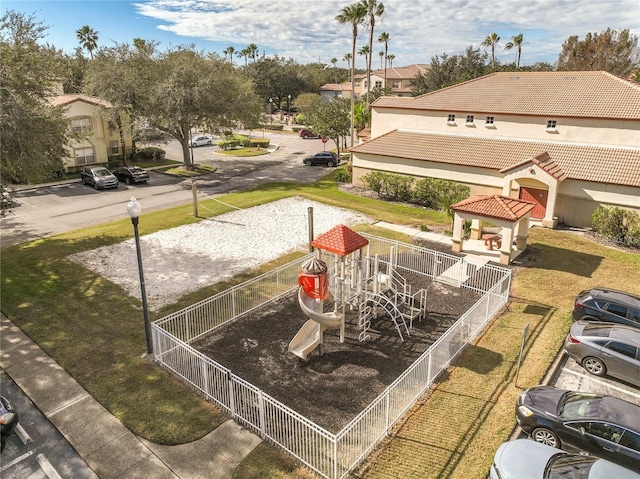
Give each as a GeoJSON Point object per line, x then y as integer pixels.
{"type": "Point", "coordinates": [180, 260]}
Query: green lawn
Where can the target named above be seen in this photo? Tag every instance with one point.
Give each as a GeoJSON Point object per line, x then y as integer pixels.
{"type": "Point", "coordinates": [94, 330]}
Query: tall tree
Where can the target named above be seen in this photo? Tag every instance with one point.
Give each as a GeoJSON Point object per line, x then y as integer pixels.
{"type": "Point", "coordinates": [229, 51]}
{"type": "Point", "coordinates": [253, 51]}
{"type": "Point", "coordinates": [391, 58]}
{"type": "Point", "coordinates": [384, 38]}
{"type": "Point", "coordinates": [34, 133]}
{"type": "Point", "coordinates": [364, 51]}
{"type": "Point", "coordinates": [347, 58]}
{"type": "Point", "coordinates": [354, 15]}
{"type": "Point", "coordinates": [447, 70]}
{"type": "Point", "coordinates": [610, 50]}
{"type": "Point", "coordinates": [88, 38]}
{"type": "Point", "coordinates": [492, 41]}
{"type": "Point", "coordinates": [374, 9]}
{"type": "Point", "coordinates": [517, 42]}
{"type": "Point", "coordinates": [245, 52]}
{"type": "Point", "coordinates": [330, 119]}
{"type": "Point", "coordinates": [381, 55]}
{"type": "Point", "coordinates": [334, 61]}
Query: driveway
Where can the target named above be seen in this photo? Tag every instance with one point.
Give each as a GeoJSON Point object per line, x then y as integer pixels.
{"type": "Point", "coordinates": [48, 210]}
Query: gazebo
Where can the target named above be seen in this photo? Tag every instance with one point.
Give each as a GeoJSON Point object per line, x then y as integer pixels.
{"type": "Point", "coordinates": [510, 214]}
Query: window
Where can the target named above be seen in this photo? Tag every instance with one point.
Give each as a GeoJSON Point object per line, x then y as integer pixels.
{"type": "Point", "coordinates": [378, 84]}
{"type": "Point", "coordinates": [551, 124]}
{"type": "Point", "coordinates": [636, 315]}
{"type": "Point", "coordinates": [624, 349]}
{"type": "Point", "coordinates": [357, 83]}
{"type": "Point", "coordinates": [113, 147]}
{"type": "Point", "coordinates": [451, 119]}
{"type": "Point", "coordinates": [469, 120]}
{"type": "Point", "coordinates": [84, 156]}
{"type": "Point", "coordinates": [631, 440]}
{"type": "Point", "coordinates": [396, 84]}
{"type": "Point", "coordinates": [489, 121]}
{"type": "Point", "coordinates": [81, 124]}
{"type": "Point", "coordinates": [617, 309]}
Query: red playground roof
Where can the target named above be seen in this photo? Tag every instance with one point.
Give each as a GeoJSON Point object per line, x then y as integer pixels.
{"type": "Point", "coordinates": [340, 240]}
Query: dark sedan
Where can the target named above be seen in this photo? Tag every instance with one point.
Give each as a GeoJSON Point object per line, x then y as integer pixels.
{"type": "Point", "coordinates": [606, 348]}
{"type": "Point", "coordinates": [131, 174]}
{"type": "Point", "coordinates": [605, 304]}
{"type": "Point", "coordinates": [322, 158]}
{"type": "Point", "coordinates": [604, 426]}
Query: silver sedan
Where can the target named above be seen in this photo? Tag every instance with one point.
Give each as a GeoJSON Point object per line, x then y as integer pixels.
{"type": "Point", "coordinates": [606, 349]}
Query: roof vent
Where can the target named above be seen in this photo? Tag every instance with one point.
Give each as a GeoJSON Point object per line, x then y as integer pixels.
{"type": "Point", "coordinates": [514, 78]}
{"type": "Point", "coordinates": [569, 78]}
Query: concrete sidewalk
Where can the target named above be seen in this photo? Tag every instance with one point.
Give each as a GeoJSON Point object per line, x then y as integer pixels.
{"type": "Point", "coordinates": [107, 446]}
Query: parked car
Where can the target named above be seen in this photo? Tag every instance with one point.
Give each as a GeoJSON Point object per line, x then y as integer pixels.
{"type": "Point", "coordinates": [322, 158]}
{"type": "Point", "coordinates": [526, 459]}
{"type": "Point", "coordinates": [201, 140]}
{"type": "Point", "coordinates": [604, 304]}
{"type": "Point", "coordinates": [606, 348]}
{"type": "Point", "coordinates": [604, 426]}
{"type": "Point", "coordinates": [131, 174]}
{"type": "Point", "coordinates": [306, 134]}
{"type": "Point", "coordinates": [8, 419]}
{"type": "Point", "coordinates": [98, 177]}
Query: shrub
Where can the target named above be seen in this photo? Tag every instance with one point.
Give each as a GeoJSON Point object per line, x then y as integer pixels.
{"type": "Point", "coordinates": [373, 181]}
{"type": "Point", "coordinates": [398, 187]}
{"type": "Point", "coordinates": [424, 192]}
{"type": "Point", "coordinates": [617, 225]}
{"type": "Point", "coordinates": [261, 142]}
{"type": "Point", "coordinates": [152, 153]}
{"type": "Point", "coordinates": [343, 176]}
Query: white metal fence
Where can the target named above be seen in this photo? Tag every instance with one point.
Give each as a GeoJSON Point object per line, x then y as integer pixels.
{"type": "Point", "coordinates": [331, 455]}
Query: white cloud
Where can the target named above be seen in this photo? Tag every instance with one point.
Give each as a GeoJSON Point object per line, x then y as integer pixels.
{"type": "Point", "coordinates": [307, 30]}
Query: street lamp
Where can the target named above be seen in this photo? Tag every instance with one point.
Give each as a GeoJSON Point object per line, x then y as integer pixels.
{"type": "Point", "coordinates": [289, 108]}
{"type": "Point", "coordinates": [134, 209]}
{"type": "Point", "coordinates": [270, 110]}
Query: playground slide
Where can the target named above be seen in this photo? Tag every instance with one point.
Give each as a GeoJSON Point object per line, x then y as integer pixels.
{"type": "Point", "coordinates": [310, 335]}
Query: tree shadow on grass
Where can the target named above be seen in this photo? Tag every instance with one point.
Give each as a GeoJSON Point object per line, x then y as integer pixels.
{"type": "Point", "coordinates": [559, 259]}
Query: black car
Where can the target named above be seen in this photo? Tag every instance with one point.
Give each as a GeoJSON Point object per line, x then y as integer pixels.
{"type": "Point", "coordinates": [603, 426]}
{"type": "Point", "coordinates": [98, 177]}
{"type": "Point", "coordinates": [322, 158]}
{"type": "Point", "coordinates": [131, 174]}
{"type": "Point", "coordinates": [604, 304]}
{"type": "Point", "coordinates": [8, 419]}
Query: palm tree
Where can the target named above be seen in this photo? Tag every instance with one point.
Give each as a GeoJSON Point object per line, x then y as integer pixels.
{"type": "Point", "coordinates": [229, 51]}
{"type": "Point", "coordinates": [353, 14]}
{"type": "Point", "coordinates": [381, 54]}
{"type": "Point", "coordinates": [364, 51]}
{"type": "Point", "coordinates": [384, 38]}
{"type": "Point", "coordinates": [245, 52]}
{"type": "Point", "coordinates": [253, 50]}
{"type": "Point", "coordinates": [334, 60]}
{"type": "Point", "coordinates": [391, 58]}
{"type": "Point", "coordinates": [516, 41]}
{"type": "Point", "coordinates": [491, 41]}
{"type": "Point", "coordinates": [347, 58]}
{"type": "Point", "coordinates": [374, 9]}
{"type": "Point", "coordinates": [88, 38]}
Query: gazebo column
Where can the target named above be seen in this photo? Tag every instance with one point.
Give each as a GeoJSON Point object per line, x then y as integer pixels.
{"type": "Point", "coordinates": [522, 233]}
{"type": "Point", "coordinates": [476, 230]}
{"type": "Point", "coordinates": [458, 233]}
{"type": "Point", "coordinates": [505, 247]}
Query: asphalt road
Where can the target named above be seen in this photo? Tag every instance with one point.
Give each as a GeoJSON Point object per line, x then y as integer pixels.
{"type": "Point", "coordinates": [52, 209]}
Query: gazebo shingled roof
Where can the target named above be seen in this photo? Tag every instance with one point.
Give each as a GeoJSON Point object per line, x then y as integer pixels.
{"type": "Point", "coordinates": [340, 240]}
{"type": "Point", "coordinates": [495, 206]}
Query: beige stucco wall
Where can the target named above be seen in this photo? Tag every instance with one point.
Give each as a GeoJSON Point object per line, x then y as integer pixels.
{"type": "Point", "coordinates": [100, 136]}
{"type": "Point", "coordinates": [600, 131]}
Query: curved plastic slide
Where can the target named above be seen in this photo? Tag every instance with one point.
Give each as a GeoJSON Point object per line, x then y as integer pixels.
{"type": "Point", "coordinates": [310, 335]}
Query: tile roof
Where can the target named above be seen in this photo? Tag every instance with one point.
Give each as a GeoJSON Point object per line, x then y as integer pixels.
{"type": "Point", "coordinates": [69, 98]}
{"type": "Point", "coordinates": [550, 94]}
{"type": "Point", "coordinates": [341, 240]}
{"type": "Point", "coordinates": [544, 162]}
{"type": "Point", "coordinates": [495, 206]}
{"type": "Point", "coordinates": [346, 86]}
{"type": "Point", "coordinates": [577, 161]}
{"type": "Point", "coordinates": [395, 73]}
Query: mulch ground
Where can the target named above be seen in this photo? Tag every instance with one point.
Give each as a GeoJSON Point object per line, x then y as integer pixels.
{"type": "Point", "coordinates": [332, 388]}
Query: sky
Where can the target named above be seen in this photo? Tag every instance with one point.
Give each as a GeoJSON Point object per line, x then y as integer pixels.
{"type": "Point", "coordinates": [306, 30]}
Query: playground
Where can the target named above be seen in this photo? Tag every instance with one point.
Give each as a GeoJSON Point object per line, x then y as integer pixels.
{"type": "Point", "coordinates": [333, 379]}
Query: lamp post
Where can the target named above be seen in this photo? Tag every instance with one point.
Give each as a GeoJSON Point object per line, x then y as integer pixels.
{"type": "Point", "coordinates": [289, 109]}
{"type": "Point", "coordinates": [270, 110]}
{"type": "Point", "coordinates": [134, 209]}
